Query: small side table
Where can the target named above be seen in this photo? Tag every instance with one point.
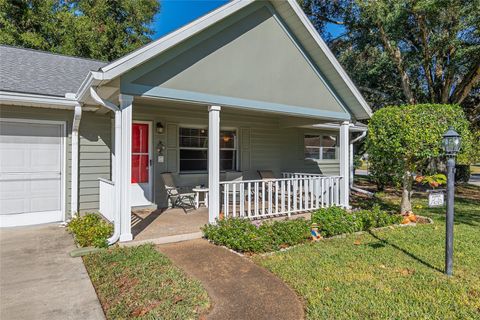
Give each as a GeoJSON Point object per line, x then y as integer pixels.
{"type": "Point", "coordinates": [197, 196]}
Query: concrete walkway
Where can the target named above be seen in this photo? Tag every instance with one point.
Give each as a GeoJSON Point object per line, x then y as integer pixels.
{"type": "Point", "coordinates": [39, 280]}
{"type": "Point", "coordinates": [239, 289]}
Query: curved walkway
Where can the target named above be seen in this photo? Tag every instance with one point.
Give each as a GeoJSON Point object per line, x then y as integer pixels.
{"type": "Point", "coordinates": [239, 288]}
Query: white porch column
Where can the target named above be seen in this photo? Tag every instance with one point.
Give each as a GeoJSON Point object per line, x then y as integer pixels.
{"type": "Point", "coordinates": [126, 168]}
{"type": "Point", "coordinates": [213, 163]}
{"type": "Point", "coordinates": [344, 164]}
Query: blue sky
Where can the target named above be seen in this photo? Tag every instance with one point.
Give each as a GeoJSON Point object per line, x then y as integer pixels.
{"type": "Point", "coordinates": [177, 13]}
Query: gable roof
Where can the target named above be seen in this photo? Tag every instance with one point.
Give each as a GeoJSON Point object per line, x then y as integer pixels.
{"type": "Point", "coordinates": [299, 26]}
{"type": "Point", "coordinates": [38, 72]}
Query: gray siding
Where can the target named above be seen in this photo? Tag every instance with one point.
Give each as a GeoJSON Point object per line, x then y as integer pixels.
{"type": "Point", "coordinates": [94, 149]}
{"type": "Point", "coordinates": [263, 144]}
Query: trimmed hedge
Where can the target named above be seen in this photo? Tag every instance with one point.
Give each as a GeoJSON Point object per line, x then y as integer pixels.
{"type": "Point", "coordinates": [243, 236]}
{"type": "Point", "coordinates": [90, 230]}
{"type": "Point", "coordinates": [335, 220]}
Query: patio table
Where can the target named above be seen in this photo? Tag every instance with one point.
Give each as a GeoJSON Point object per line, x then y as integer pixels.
{"type": "Point", "coordinates": [197, 191]}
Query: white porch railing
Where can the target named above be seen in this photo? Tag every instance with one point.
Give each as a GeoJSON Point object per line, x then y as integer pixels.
{"type": "Point", "coordinates": [255, 199]}
{"type": "Point", "coordinates": [106, 205]}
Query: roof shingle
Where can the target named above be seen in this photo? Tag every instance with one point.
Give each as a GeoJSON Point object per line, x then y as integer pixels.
{"type": "Point", "coordinates": [39, 72]}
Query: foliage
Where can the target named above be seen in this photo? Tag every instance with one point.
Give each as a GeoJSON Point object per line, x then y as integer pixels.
{"type": "Point", "coordinates": [462, 173]}
{"type": "Point", "coordinates": [390, 274]}
{"type": "Point", "coordinates": [406, 52]}
{"type": "Point", "coordinates": [90, 230]}
{"type": "Point", "coordinates": [433, 181]}
{"type": "Point", "coordinates": [403, 139]}
{"type": "Point", "coordinates": [243, 236]}
{"type": "Point", "coordinates": [98, 29]}
{"type": "Point", "coordinates": [335, 220]}
{"type": "Point", "coordinates": [141, 283]}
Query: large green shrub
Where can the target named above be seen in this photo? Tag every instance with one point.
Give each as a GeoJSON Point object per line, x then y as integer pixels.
{"type": "Point", "coordinates": [404, 139]}
{"type": "Point", "coordinates": [90, 230]}
{"type": "Point", "coordinates": [243, 236]}
{"type": "Point", "coordinates": [335, 220]}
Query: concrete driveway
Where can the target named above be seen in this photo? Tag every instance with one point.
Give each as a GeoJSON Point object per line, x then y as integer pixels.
{"type": "Point", "coordinates": [39, 280]}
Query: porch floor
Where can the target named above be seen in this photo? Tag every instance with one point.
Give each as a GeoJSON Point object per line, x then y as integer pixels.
{"type": "Point", "coordinates": [148, 224]}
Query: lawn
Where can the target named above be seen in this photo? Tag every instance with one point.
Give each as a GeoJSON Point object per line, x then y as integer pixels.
{"type": "Point", "coordinates": [393, 273]}
{"type": "Point", "coordinates": [141, 283]}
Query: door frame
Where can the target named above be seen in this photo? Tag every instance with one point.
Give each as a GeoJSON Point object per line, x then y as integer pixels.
{"type": "Point", "coordinates": [150, 155]}
{"type": "Point", "coordinates": [63, 165]}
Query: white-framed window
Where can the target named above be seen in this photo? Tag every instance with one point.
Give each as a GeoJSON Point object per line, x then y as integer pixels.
{"type": "Point", "coordinates": [193, 149]}
{"type": "Point", "coordinates": [321, 147]}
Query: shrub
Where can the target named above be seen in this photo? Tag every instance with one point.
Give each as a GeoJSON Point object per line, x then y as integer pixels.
{"type": "Point", "coordinates": [335, 220]}
{"type": "Point", "coordinates": [241, 235]}
{"type": "Point", "coordinates": [90, 230]}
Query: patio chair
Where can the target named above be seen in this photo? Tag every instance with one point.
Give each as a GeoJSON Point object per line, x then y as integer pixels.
{"type": "Point", "coordinates": [178, 196]}
{"type": "Point", "coordinates": [266, 174]}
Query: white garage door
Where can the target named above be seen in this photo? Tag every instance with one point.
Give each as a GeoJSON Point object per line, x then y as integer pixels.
{"type": "Point", "coordinates": [31, 172]}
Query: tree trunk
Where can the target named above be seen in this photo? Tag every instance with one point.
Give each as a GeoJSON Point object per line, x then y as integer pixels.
{"type": "Point", "coordinates": [406, 204]}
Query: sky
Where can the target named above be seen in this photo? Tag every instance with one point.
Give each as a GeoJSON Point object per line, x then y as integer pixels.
{"type": "Point", "coordinates": [177, 13]}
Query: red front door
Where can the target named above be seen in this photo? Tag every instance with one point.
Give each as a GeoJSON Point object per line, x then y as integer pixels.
{"type": "Point", "coordinates": [140, 153]}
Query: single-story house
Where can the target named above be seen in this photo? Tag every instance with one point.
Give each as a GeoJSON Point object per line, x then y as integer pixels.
{"type": "Point", "coordinates": [250, 86]}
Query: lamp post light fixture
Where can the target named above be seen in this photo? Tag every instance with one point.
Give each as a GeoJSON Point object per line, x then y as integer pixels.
{"type": "Point", "coordinates": [451, 143]}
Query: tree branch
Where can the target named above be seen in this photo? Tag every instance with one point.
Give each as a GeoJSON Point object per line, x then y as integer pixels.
{"type": "Point", "coordinates": [463, 88]}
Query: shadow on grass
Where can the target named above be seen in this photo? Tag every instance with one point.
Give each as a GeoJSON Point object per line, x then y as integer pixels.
{"type": "Point", "coordinates": [384, 242]}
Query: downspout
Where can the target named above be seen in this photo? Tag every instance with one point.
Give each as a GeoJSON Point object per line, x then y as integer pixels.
{"type": "Point", "coordinates": [77, 116]}
{"type": "Point", "coordinates": [352, 187]}
{"type": "Point", "coordinates": [117, 149]}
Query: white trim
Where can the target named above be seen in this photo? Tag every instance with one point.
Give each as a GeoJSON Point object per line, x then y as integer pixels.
{"type": "Point", "coordinates": [334, 126]}
{"type": "Point", "coordinates": [63, 139]}
{"type": "Point", "coordinates": [126, 107]}
{"type": "Point", "coordinates": [344, 164]}
{"type": "Point", "coordinates": [36, 100]}
{"type": "Point", "coordinates": [213, 163]}
{"type": "Point", "coordinates": [150, 159]}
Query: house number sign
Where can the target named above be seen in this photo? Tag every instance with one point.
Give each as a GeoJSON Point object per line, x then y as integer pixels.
{"type": "Point", "coordinates": [436, 199]}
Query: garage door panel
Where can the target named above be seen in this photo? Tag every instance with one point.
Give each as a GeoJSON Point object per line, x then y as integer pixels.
{"type": "Point", "coordinates": [31, 168]}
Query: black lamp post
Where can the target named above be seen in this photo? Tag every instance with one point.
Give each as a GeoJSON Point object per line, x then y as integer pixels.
{"type": "Point", "coordinates": [451, 143]}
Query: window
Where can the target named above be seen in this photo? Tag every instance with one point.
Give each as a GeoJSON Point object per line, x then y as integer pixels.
{"type": "Point", "coordinates": [321, 147]}
{"type": "Point", "coordinates": [193, 146]}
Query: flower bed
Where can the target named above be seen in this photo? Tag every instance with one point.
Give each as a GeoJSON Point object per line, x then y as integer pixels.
{"type": "Point", "coordinates": [243, 236]}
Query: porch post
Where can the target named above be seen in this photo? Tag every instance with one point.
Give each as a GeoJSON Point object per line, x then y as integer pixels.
{"type": "Point", "coordinates": [213, 163]}
{"type": "Point", "coordinates": [126, 107]}
{"type": "Point", "coordinates": [344, 164]}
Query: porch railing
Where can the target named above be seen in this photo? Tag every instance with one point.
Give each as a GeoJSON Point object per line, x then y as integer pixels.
{"type": "Point", "coordinates": [106, 201]}
{"type": "Point", "coordinates": [256, 199]}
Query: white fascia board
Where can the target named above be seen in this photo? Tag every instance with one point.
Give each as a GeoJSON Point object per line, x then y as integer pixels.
{"type": "Point", "coordinates": [334, 126]}
{"type": "Point", "coordinates": [313, 32]}
{"type": "Point", "coordinates": [36, 100]}
{"type": "Point", "coordinates": [94, 78]}
{"type": "Point", "coordinates": [151, 50]}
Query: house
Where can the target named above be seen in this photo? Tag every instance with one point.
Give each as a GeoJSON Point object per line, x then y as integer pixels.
{"type": "Point", "coordinates": [250, 86]}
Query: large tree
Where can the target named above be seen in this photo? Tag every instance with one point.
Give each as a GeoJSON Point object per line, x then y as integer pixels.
{"type": "Point", "coordinates": [406, 51]}
{"type": "Point", "coordinates": [99, 29]}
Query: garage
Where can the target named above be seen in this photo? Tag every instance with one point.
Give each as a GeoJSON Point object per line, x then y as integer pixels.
{"type": "Point", "coordinates": [32, 172]}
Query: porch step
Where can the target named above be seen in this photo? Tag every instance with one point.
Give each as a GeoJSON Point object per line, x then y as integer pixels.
{"type": "Point", "coordinates": [165, 240]}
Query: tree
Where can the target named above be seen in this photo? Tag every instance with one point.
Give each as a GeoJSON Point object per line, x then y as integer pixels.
{"type": "Point", "coordinates": [403, 140]}
{"type": "Point", "coordinates": [98, 29]}
{"type": "Point", "coordinates": [406, 51]}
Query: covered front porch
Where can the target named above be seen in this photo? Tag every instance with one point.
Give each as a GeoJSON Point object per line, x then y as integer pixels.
{"type": "Point", "coordinates": [223, 149]}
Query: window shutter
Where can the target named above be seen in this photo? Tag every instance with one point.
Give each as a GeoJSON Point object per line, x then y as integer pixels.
{"type": "Point", "coordinates": [172, 147]}
{"type": "Point", "coordinates": [245, 149]}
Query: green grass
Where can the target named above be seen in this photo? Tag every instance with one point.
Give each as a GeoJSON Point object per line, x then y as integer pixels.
{"type": "Point", "coordinates": [390, 274]}
{"type": "Point", "coordinates": [141, 283]}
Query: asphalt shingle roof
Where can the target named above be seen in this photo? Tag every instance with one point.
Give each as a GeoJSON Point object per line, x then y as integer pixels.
{"type": "Point", "coordinates": [39, 72]}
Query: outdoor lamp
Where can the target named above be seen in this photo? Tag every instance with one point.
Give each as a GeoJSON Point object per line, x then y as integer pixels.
{"type": "Point", "coordinates": [451, 142]}
{"type": "Point", "coordinates": [159, 128]}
